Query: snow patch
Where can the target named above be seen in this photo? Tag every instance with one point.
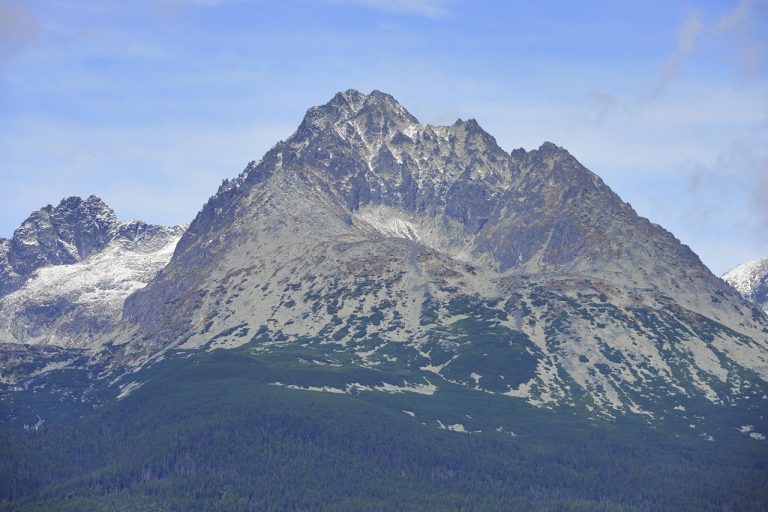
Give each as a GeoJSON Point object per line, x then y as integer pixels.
{"type": "Point", "coordinates": [356, 387]}
{"type": "Point", "coordinates": [127, 389]}
{"type": "Point", "coordinates": [456, 427]}
{"type": "Point", "coordinates": [746, 277]}
{"type": "Point", "coordinates": [389, 225]}
{"type": "Point", "coordinates": [320, 389]}
{"type": "Point", "coordinates": [749, 430]}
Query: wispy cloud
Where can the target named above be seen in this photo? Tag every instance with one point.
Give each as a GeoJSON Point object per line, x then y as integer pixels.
{"type": "Point", "coordinates": [428, 8]}
{"type": "Point", "coordinates": [750, 41]}
{"type": "Point", "coordinates": [735, 18]}
{"type": "Point", "coordinates": [18, 27]}
{"type": "Point", "coordinates": [737, 21]}
{"type": "Point", "coordinates": [601, 105]}
{"type": "Point", "coordinates": [737, 176]}
{"type": "Point", "coordinates": [686, 43]}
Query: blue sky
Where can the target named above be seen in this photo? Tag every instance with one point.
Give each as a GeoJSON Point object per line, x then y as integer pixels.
{"type": "Point", "coordinates": [150, 104]}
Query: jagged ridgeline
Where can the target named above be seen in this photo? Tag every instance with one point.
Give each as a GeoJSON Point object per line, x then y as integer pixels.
{"type": "Point", "coordinates": [431, 249]}
{"type": "Point", "coordinates": [399, 306]}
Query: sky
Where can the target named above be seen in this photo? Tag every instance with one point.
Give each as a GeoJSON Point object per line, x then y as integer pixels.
{"type": "Point", "coordinates": [151, 104]}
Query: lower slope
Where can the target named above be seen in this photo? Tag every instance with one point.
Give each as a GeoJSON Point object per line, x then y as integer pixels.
{"type": "Point", "coordinates": [211, 431]}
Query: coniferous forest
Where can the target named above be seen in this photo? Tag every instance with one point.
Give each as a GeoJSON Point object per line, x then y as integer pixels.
{"type": "Point", "coordinates": [210, 433]}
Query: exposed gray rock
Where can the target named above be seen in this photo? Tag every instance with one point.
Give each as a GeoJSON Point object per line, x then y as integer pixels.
{"type": "Point", "coordinates": [382, 238]}
{"type": "Point", "coordinates": [65, 234]}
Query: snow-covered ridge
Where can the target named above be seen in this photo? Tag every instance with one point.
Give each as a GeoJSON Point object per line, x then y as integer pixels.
{"type": "Point", "coordinates": [66, 305]}
{"type": "Point", "coordinates": [70, 300]}
{"type": "Point", "coordinates": [356, 388]}
{"type": "Point", "coordinates": [751, 280]}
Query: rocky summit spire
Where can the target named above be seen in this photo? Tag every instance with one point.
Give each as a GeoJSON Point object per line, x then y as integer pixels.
{"type": "Point", "coordinates": [62, 234]}
{"type": "Point", "coordinates": [377, 110]}
{"type": "Point", "coordinates": [68, 268]}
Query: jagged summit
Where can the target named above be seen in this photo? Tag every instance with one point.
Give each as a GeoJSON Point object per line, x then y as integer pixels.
{"type": "Point", "coordinates": [56, 235]}
{"type": "Point", "coordinates": [527, 210]}
{"type": "Point", "coordinates": [381, 115]}
{"type": "Point", "coordinates": [367, 150]}
{"type": "Point", "coordinates": [67, 270]}
{"type": "Point", "coordinates": [387, 240]}
{"type": "Point", "coordinates": [377, 109]}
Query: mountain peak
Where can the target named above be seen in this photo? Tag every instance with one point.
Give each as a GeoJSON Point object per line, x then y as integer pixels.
{"type": "Point", "coordinates": [386, 104]}
{"type": "Point", "coordinates": [549, 149]}
{"type": "Point", "coordinates": [349, 101]}
{"type": "Point", "coordinates": [367, 150]}
{"type": "Point", "coordinates": [393, 244]}
{"type": "Point", "coordinates": [64, 234]}
{"type": "Point", "coordinates": [751, 280]}
{"type": "Point", "coordinates": [376, 108]}
{"type": "Point", "coordinates": [74, 201]}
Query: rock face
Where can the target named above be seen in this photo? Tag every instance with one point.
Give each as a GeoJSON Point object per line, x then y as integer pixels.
{"type": "Point", "coordinates": [751, 280]}
{"type": "Point", "coordinates": [64, 234]}
{"type": "Point", "coordinates": [68, 269]}
{"type": "Point", "coordinates": [431, 249]}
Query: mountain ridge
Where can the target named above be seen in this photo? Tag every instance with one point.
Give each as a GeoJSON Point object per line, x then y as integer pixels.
{"type": "Point", "coordinates": [402, 306]}
{"type": "Point", "coordinates": [375, 234]}
{"type": "Point", "coordinates": [406, 246]}
{"type": "Point", "coordinates": [67, 269]}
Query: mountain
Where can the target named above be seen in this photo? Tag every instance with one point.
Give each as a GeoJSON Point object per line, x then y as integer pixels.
{"type": "Point", "coordinates": [381, 314]}
{"type": "Point", "coordinates": [68, 269]}
{"type": "Point", "coordinates": [751, 280]}
{"type": "Point", "coordinates": [58, 235]}
{"type": "Point", "coordinates": [395, 243]}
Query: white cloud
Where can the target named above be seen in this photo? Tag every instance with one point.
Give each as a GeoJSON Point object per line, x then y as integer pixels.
{"type": "Point", "coordinates": [18, 27]}
{"type": "Point", "coordinates": [738, 22]}
{"type": "Point", "coordinates": [735, 18]}
{"type": "Point", "coordinates": [686, 42]}
{"type": "Point", "coordinates": [429, 8]}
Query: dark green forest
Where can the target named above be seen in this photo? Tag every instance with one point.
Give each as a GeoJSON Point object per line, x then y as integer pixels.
{"type": "Point", "coordinates": [209, 432]}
